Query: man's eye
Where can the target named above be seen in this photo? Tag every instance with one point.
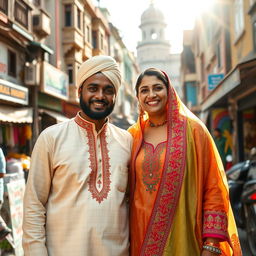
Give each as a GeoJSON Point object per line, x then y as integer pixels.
{"type": "Point", "coordinates": [109, 91]}
{"type": "Point", "coordinates": [92, 89]}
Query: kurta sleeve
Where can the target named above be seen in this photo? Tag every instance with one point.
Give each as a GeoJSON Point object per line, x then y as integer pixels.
{"type": "Point", "coordinates": [215, 191]}
{"type": "Point", "coordinates": [36, 196]}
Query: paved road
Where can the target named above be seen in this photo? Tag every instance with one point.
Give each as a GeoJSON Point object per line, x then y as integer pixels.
{"type": "Point", "coordinates": [244, 244]}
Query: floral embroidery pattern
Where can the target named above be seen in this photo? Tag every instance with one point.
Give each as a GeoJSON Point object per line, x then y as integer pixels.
{"type": "Point", "coordinates": [170, 185]}
{"type": "Point", "coordinates": [215, 223]}
{"type": "Point", "coordinates": [151, 171]}
{"type": "Point", "coordinates": [100, 193]}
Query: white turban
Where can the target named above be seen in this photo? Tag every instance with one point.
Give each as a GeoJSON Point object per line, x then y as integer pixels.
{"type": "Point", "coordinates": [104, 64]}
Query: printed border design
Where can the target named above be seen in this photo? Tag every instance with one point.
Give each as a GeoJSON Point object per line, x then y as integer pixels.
{"type": "Point", "coordinates": [99, 196]}
{"type": "Point", "coordinates": [215, 223]}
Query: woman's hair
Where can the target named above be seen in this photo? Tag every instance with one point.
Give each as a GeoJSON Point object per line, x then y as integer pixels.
{"type": "Point", "coordinates": [151, 72]}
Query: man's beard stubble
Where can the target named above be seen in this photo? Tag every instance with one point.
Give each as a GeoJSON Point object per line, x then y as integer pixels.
{"type": "Point", "coordinates": [93, 114]}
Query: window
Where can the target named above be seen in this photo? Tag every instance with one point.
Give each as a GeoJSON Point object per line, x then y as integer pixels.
{"type": "Point", "coordinates": [153, 34]}
{"type": "Point", "coordinates": [12, 63]}
{"type": "Point", "coordinates": [4, 6]}
{"type": "Point", "coordinates": [21, 14]}
{"type": "Point", "coordinates": [202, 69]}
{"type": "Point", "coordinates": [254, 35]}
{"type": "Point", "coordinates": [101, 42]}
{"type": "Point", "coordinates": [94, 39]}
{"type": "Point", "coordinates": [239, 18]}
{"type": "Point", "coordinates": [70, 73]}
{"type": "Point", "coordinates": [88, 34]}
{"type": "Point", "coordinates": [68, 15]}
{"type": "Point", "coordinates": [218, 54]}
{"type": "Point", "coordinates": [78, 18]}
{"type": "Point", "coordinates": [37, 2]}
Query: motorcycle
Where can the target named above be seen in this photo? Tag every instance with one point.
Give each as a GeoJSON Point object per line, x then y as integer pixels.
{"type": "Point", "coordinates": [242, 191]}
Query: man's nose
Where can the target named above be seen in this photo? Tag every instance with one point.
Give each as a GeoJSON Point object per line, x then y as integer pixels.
{"type": "Point", "coordinates": [100, 94]}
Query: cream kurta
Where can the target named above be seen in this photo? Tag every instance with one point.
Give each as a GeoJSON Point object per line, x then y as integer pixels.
{"type": "Point", "coordinates": [75, 196]}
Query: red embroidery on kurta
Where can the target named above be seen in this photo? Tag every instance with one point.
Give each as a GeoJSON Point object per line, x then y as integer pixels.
{"type": "Point", "coordinates": [215, 223]}
{"type": "Point", "coordinates": [169, 190]}
{"type": "Point", "coordinates": [101, 194]}
{"type": "Point", "coordinates": [151, 172]}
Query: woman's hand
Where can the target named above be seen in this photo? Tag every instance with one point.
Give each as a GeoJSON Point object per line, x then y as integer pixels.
{"type": "Point", "coordinates": [207, 253]}
{"type": "Point", "coordinates": [211, 240]}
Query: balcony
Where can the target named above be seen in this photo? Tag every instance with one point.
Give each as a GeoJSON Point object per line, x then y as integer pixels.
{"type": "Point", "coordinates": [87, 51]}
{"type": "Point", "coordinates": [41, 23]}
{"type": "Point", "coordinates": [72, 38]}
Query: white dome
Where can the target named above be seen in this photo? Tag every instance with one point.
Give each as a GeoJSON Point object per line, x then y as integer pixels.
{"type": "Point", "coordinates": [152, 14]}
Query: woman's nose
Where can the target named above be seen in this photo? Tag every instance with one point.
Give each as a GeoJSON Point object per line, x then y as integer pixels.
{"type": "Point", "coordinates": [152, 93]}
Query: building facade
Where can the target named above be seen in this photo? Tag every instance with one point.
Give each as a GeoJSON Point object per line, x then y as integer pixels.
{"type": "Point", "coordinates": [42, 45]}
{"type": "Point", "coordinates": [224, 49]}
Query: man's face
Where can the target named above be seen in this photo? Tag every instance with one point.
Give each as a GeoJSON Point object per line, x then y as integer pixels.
{"type": "Point", "coordinates": [97, 97]}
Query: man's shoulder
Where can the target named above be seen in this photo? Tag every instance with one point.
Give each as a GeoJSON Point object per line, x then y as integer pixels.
{"type": "Point", "coordinates": [118, 130]}
{"type": "Point", "coordinates": [56, 128]}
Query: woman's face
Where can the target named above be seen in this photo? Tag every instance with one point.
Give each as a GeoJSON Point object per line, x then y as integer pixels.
{"type": "Point", "coordinates": [152, 95]}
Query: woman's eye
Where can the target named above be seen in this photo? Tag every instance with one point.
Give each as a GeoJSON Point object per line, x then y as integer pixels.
{"type": "Point", "coordinates": [159, 88]}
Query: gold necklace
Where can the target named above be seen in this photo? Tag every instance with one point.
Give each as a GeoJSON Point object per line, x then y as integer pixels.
{"type": "Point", "coordinates": [157, 125]}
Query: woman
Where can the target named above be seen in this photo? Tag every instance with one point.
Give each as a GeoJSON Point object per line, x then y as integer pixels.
{"type": "Point", "coordinates": [179, 195]}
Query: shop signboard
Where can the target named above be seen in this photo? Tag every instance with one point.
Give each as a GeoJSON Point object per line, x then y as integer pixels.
{"type": "Point", "coordinates": [16, 191]}
{"type": "Point", "coordinates": [214, 80]}
{"type": "Point", "coordinates": [13, 92]}
{"type": "Point", "coordinates": [55, 82]}
{"type": "Point", "coordinates": [3, 61]}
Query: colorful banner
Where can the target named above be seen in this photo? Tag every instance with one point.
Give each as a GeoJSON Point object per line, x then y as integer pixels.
{"type": "Point", "coordinates": [221, 120]}
{"type": "Point", "coordinates": [16, 191]}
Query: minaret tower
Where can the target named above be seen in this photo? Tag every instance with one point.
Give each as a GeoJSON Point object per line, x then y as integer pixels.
{"type": "Point", "coordinates": [153, 47]}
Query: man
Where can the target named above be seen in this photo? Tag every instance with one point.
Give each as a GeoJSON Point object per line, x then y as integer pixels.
{"type": "Point", "coordinates": [75, 196]}
{"type": "Point", "coordinates": [4, 230]}
{"type": "Point", "coordinates": [220, 142]}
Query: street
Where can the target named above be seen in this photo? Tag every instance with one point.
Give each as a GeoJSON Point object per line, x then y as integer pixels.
{"type": "Point", "coordinates": [244, 244]}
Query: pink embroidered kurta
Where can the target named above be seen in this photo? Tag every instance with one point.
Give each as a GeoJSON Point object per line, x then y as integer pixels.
{"type": "Point", "coordinates": [75, 196]}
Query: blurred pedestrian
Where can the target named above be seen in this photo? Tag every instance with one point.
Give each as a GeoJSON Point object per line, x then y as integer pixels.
{"type": "Point", "coordinates": [75, 196]}
{"type": "Point", "coordinates": [220, 142]}
{"type": "Point", "coordinates": [178, 193]}
{"type": "Point", "coordinates": [4, 230]}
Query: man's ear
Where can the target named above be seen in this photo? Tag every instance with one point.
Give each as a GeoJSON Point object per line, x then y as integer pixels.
{"type": "Point", "coordinates": [79, 91]}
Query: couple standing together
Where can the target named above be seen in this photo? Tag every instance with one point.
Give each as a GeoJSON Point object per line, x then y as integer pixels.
{"type": "Point", "coordinates": [76, 195]}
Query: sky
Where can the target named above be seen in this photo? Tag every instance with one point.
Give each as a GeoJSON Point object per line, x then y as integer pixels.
{"type": "Point", "coordinates": [179, 16]}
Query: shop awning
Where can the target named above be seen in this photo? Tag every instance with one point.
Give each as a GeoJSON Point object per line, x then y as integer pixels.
{"type": "Point", "coordinates": [15, 115]}
{"type": "Point", "coordinates": [59, 117]}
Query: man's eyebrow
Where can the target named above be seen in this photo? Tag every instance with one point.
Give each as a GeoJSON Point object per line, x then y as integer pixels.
{"type": "Point", "coordinates": [92, 84]}
{"type": "Point", "coordinates": [110, 86]}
